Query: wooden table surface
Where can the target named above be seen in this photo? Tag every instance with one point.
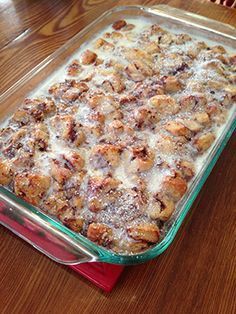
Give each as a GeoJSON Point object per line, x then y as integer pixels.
{"type": "Point", "coordinates": [195, 275]}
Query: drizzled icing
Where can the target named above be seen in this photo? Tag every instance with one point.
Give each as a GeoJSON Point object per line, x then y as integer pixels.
{"type": "Point", "coordinates": [171, 60]}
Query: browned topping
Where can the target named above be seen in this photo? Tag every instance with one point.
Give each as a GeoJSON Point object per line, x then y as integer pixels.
{"type": "Point", "coordinates": [31, 186]}
{"type": "Point", "coordinates": [114, 35]}
{"type": "Point", "coordinates": [99, 233]}
{"type": "Point", "coordinates": [56, 203]}
{"type": "Point", "coordinates": [60, 172]}
{"type": "Point", "coordinates": [161, 208]}
{"type": "Point", "coordinates": [164, 104]}
{"type": "Point", "coordinates": [105, 155]}
{"type": "Point", "coordinates": [77, 202]}
{"type": "Point", "coordinates": [171, 84]}
{"type": "Point", "coordinates": [192, 125]}
{"type": "Point", "coordinates": [119, 24]}
{"type": "Point", "coordinates": [105, 45]}
{"type": "Point", "coordinates": [142, 159]}
{"type": "Point", "coordinates": [145, 117]}
{"type": "Point", "coordinates": [34, 109]}
{"type": "Point", "coordinates": [74, 68]}
{"type": "Point", "coordinates": [88, 57]}
{"type": "Point", "coordinates": [177, 129]}
{"type": "Point", "coordinates": [204, 141]}
{"type": "Point", "coordinates": [156, 29]}
{"type": "Point", "coordinates": [98, 62]}
{"type": "Point", "coordinates": [95, 205]}
{"type": "Point", "coordinates": [74, 161]}
{"type": "Point", "coordinates": [175, 187]}
{"type": "Point", "coordinates": [202, 117]}
{"type": "Point", "coordinates": [97, 185]}
{"type": "Point", "coordinates": [116, 126]}
{"type": "Point", "coordinates": [74, 224]}
{"type": "Point", "coordinates": [146, 232]}
{"type": "Point", "coordinates": [41, 137]}
{"type": "Point", "coordinates": [5, 173]}
{"type": "Point", "coordinates": [115, 84]}
{"type": "Point", "coordinates": [186, 169]}
{"type": "Point", "coordinates": [232, 60]}
{"type": "Point", "coordinates": [138, 71]}
{"type": "Point", "coordinates": [127, 99]}
{"type": "Point", "coordinates": [218, 49]}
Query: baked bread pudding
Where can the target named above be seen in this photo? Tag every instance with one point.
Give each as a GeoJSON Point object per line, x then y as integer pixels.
{"type": "Point", "coordinates": [110, 143]}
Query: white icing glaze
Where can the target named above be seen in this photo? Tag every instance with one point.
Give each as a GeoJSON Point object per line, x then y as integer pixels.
{"type": "Point", "coordinates": [154, 177]}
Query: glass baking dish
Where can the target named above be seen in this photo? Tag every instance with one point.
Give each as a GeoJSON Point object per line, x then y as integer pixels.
{"type": "Point", "coordinates": [46, 233]}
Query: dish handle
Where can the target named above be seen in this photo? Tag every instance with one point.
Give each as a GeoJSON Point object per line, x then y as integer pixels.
{"type": "Point", "coordinates": [42, 234]}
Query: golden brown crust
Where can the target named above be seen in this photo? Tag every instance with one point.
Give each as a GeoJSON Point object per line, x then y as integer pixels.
{"type": "Point", "coordinates": [164, 104]}
{"type": "Point", "coordinates": [31, 186]}
{"type": "Point", "coordinates": [100, 192]}
{"type": "Point", "coordinates": [5, 173]}
{"type": "Point", "coordinates": [175, 187]}
{"type": "Point", "coordinates": [142, 159]}
{"type": "Point", "coordinates": [161, 208]}
{"type": "Point", "coordinates": [74, 161]}
{"type": "Point", "coordinates": [145, 117]}
{"type": "Point", "coordinates": [106, 155]}
{"type": "Point", "coordinates": [99, 233]}
{"type": "Point", "coordinates": [34, 110]}
{"type": "Point", "coordinates": [202, 118]}
{"type": "Point", "coordinates": [186, 169]}
{"type": "Point", "coordinates": [177, 129]}
{"type": "Point", "coordinates": [203, 142]}
{"type": "Point", "coordinates": [74, 68]}
{"type": "Point", "coordinates": [130, 247]}
{"type": "Point", "coordinates": [144, 231]}
{"type": "Point", "coordinates": [105, 45]}
{"type": "Point", "coordinates": [88, 57]}
{"type": "Point", "coordinates": [171, 84]}
{"type": "Point", "coordinates": [59, 172]}
{"type": "Point", "coordinates": [56, 203]}
{"type": "Point", "coordinates": [75, 224]}
{"type": "Point", "coordinates": [138, 71]}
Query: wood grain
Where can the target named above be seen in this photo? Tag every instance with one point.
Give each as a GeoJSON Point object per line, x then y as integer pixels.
{"type": "Point", "coordinates": [195, 275]}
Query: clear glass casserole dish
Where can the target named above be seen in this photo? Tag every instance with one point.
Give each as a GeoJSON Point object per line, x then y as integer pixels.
{"type": "Point", "coordinates": [47, 234]}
